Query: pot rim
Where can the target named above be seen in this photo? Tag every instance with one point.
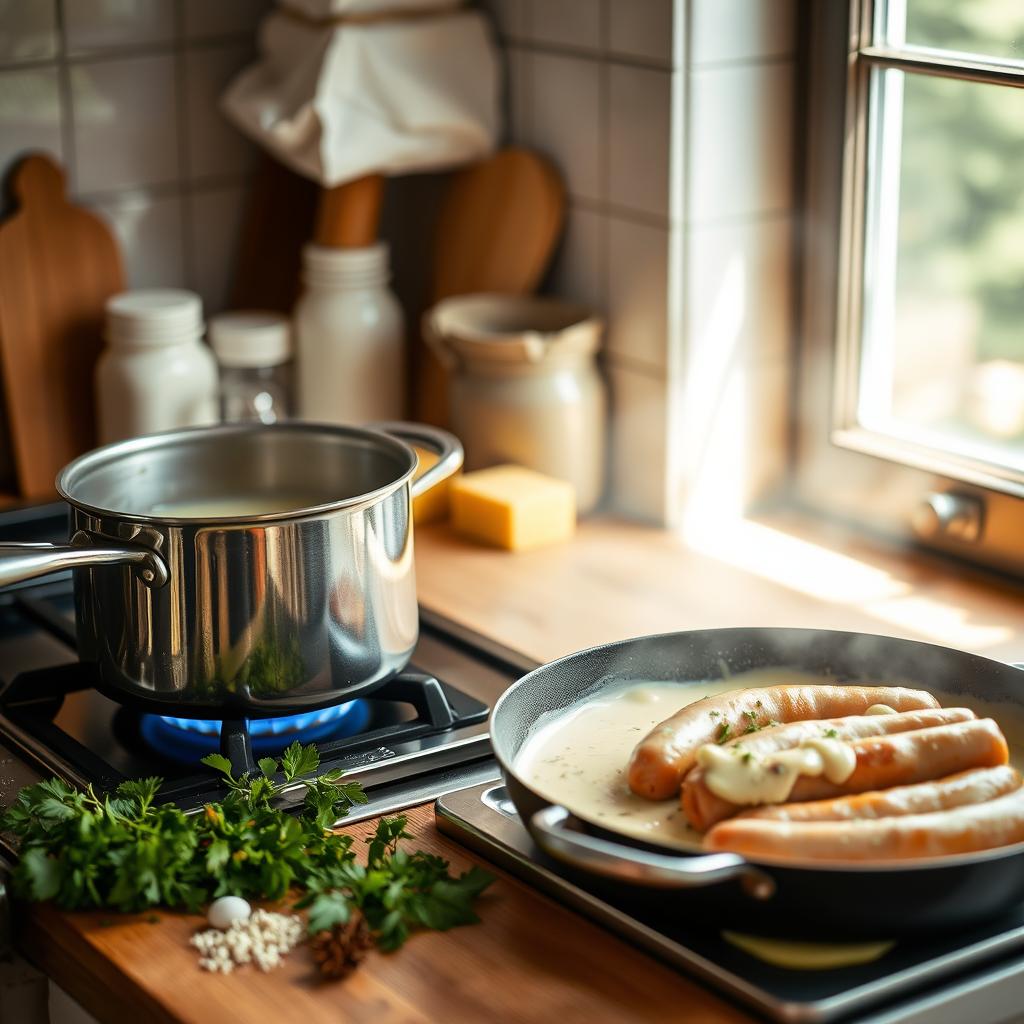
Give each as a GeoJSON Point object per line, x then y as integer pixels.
{"type": "Point", "coordinates": [110, 453]}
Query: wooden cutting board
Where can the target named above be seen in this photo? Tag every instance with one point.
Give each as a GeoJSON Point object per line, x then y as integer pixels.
{"type": "Point", "coordinates": [497, 230]}
{"type": "Point", "coordinates": [59, 264]}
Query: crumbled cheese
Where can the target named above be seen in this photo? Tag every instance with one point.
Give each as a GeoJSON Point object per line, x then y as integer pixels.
{"type": "Point", "coordinates": [264, 939]}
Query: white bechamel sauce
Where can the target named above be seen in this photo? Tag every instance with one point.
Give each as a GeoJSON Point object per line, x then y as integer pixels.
{"type": "Point", "coordinates": [578, 756]}
{"type": "Point", "coordinates": [741, 777]}
{"type": "Point", "coordinates": [881, 709]}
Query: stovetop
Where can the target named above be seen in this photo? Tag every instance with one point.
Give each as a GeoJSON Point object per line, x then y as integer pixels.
{"type": "Point", "coordinates": [974, 975]}
{"type": "Point", "coordinates": [422, 734]}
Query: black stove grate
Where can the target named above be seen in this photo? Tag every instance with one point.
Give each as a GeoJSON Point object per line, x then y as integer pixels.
{"type": "Point", "coordinates": [411, 706]}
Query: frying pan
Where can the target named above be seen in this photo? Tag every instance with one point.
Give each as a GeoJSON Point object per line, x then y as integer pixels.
{"type": "Point", "coordinates": [726, 889]}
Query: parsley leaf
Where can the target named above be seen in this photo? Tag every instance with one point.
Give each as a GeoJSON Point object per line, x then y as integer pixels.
{"type": "Point", "coordinates": [126, 852]}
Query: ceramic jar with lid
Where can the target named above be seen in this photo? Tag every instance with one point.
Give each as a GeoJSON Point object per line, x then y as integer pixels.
{"type": "Point", "coordinates": [349, 337]}
{"type": "Point", "coordinates": [525, 388]}
{"type": "Point", "coordinates": [155, 373]}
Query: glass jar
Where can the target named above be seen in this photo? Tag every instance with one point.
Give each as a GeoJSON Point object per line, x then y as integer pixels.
{"type": "Point", "coordinates": [525, 388]}
{"type": "Point", "coordinates": [253, 350]}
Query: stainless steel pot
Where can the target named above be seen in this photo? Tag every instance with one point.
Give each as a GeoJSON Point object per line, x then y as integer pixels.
{"type": "Point", "coordinates": [191, 608]}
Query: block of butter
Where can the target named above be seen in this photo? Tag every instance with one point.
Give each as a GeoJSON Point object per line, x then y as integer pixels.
{"type": "Point", "coordinates": [432, 505]}
{"type": "Point", "coordinates": [512, 507]}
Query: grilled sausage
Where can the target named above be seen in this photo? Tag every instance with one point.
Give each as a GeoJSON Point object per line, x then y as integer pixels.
{"type": "Point", "coordinates": [975, 786]}
{"type": "Point", "coordinates": [667, 753]}
{"type": "Point", "coordinates": [969, 829]}
{"type": "Point", "coordinates": [881, 762]}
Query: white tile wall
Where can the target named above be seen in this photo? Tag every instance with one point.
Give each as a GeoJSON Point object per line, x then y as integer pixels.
{"type": "Point", "coordinates": [563, 111]}
{"type": "Point", "coordinates": [680, 222]}
{"type": "Point", "coordinates": [739, 288]}
{"type": "Point", "coordinates": [579, 268]}
{"type": "Point", "coordinates": [574, 23]}
{"type": "Point", "coordinates": [736, 30]}
{"type": "Point", "coordinates": [124, 93]}
{"type": "Point", "coordinates": [214, 147]}
{"type": "Point", "coordinates": [639, 410]}
{"type": "Point", "coordinates": [206, 19]}
{"type": "Point", "coordinates": [28, 29]}
{"type": "Point", "coordinates": [125, 123]}
{"type": "Point", "coordinates": [741, 140]}
{"type": "Point", "coordinates": [91, 25]}
{"type": "Point", "coordinates": [641, 28]}
{"type": "Point", "coordinates": [149, 230]}
{"type": "Point", "coordinates": [30, 114]}
{"type": "Point", "coordinates": [639, 115]}
{"type": "Point", "coordinates": [215, 219]}
{"type": "Point", "coordinates": [638, 292]}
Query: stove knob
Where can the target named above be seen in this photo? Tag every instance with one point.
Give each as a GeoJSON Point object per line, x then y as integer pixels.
{"type": "Point", "coordinates": [951, 515]}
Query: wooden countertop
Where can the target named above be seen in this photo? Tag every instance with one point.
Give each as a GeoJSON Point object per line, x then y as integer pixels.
{"type": "Point", "coordinates": [530, 959]}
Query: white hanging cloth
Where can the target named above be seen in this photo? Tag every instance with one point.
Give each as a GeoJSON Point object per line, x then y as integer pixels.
{"type": "Point", "coordinates": [393, 90]}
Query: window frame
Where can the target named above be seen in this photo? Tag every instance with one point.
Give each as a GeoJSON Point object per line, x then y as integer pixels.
{"type": "Point", "coordinates": [875, 479]}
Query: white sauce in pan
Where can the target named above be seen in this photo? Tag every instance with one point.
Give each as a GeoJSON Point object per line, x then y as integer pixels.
{"type": "Point", "coordinates": [741, 777]}
{"type": "Point", "coordinates": [578, 757]}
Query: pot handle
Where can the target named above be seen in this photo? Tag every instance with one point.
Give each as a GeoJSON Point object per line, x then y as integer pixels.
{"type": "Point", "coordinates": [640, 867]}
{"type": "Point", "coordinates": [446, 445]}
{"type": "Point", "coordinates": [20, 562]}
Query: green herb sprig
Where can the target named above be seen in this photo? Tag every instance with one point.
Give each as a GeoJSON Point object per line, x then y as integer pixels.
{"type": "Point", "coordinates": [127, 853]}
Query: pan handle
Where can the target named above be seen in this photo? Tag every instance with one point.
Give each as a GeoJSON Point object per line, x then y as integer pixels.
{"type": "Point", "coordinates": [20, 562]}
{"type": "Point", "coordinates": [446, 446]}
{"type": "Point", "coordinates": [639, 867]}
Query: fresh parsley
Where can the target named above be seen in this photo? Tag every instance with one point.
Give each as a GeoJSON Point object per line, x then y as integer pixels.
{"type": "Point", "coordinates": [126, 852]}
{"type": "Point", "coordinates": [724, 732]}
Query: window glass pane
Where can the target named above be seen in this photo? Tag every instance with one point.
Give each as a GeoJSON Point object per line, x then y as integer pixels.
{"type": "Point", "coordinates": [942, 358]}
{"type": "Point", "coordinates": [988, 28]}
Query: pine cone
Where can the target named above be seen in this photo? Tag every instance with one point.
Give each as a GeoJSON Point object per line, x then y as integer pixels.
{"type": "Point", "coordinates": [339, 951]}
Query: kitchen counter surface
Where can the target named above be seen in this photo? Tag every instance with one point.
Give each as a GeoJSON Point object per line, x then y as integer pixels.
{"type": "Point", "coordinates": [531, 960]}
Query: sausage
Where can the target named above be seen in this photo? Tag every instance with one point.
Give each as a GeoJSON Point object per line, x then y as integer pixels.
{"type": "Point", "coordinates": [881, 762]}
{"type": "Point", "coordinates": [974, 786]}
{"type": "Point", "coordinates": [667, 753]}
{"type": "Point", "coordinates": [969, 829]}
{"type": "Point", "coordinates": [853, 727]}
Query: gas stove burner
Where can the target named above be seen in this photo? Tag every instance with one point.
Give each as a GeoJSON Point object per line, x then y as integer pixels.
{"type": "Point", "coordinates": [187, 739]}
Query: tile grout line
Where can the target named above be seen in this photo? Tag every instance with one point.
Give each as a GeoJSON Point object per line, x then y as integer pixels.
{"type": "Point", "coordinates": [184, 156]}
{"type": "Point", "coordinates": [67, 105]}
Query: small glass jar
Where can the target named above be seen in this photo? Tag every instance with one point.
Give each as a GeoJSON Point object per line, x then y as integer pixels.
{"type": "Point", "coordinates": [254, 350]}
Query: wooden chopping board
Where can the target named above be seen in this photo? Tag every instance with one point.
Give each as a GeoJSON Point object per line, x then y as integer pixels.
{"type": "Point", "coordinates": [59, 264]}
{"type": "Point", "coordinates": [499, 223]}
{"type": "Point", "coordinates": [529, 961]}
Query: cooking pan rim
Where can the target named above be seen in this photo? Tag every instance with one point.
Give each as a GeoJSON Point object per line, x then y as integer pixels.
{"type": "Point", "coordinates": [830, 866]}
{"type": "Point", "coordinates": [105, 454]}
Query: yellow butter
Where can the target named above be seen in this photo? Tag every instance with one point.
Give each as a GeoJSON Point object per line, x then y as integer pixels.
{"type": "Point", "coordinates": [432, 505]}
{"type": "Point", "coordinates": [512, 507]}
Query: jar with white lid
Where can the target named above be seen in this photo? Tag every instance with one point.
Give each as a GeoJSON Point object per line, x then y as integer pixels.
{"type": "Point", "coordinates": [155, 373]}
{"type": "Point", "coordinates": [349, 337]}
{"type": "Point", "coordinates": [524, 385]}
{"type": "Point", "coordinates": [253, 351]}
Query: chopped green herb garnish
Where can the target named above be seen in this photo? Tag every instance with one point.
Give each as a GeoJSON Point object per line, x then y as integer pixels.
{"type": "Point", "coordinates": [747, 755]}
{"type": "Point", "coordinates": [724, 732]}
{"type": "Point", "coordinates": [771, 722]}
{"type": "Point", "coordinates": [831, 734]}
{"type": "Point", "coordinates": [751, 717]}
{"type": "Point", "coordinates": [127, 852]}
{"type": "Point", "coordinates": [714, 714]}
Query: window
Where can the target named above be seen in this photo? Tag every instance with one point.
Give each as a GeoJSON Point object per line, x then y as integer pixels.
{"type": "Point", "coordinates": [913, 392]}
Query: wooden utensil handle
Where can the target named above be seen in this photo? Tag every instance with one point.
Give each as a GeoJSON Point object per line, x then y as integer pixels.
{"type": "Point", "coordinates": [348, 214]}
